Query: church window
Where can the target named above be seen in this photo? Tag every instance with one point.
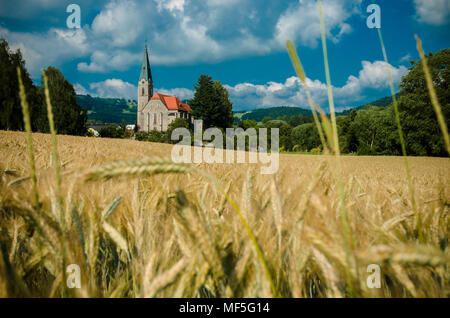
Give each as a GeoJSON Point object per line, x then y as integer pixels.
{"type": "Point", "coordinates": [142, 91]}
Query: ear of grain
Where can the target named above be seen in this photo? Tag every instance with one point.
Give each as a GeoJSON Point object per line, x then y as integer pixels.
{"type": "Point", "coordinates": [165, 279]}
{"type": "Point", "coordinates": [110, 208]}
{"type": "Point", "coordinates": [116, 237]}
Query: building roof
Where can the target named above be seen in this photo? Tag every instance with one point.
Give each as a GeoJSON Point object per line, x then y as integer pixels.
{"type": "Point", "coordinates": [172, 102]}
{"type": "Point", "coordinates": [146, 72]}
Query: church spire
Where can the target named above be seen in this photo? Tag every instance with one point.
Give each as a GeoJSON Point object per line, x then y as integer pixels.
{"type": "Point", "coordinates": [146, 72]}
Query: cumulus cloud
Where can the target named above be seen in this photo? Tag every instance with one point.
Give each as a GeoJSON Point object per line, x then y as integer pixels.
{"type": "Point", "coordinates": [434, 12]}
{"type": "Point", "coordinates": [181, 93]}
{"type": "Point", "coordinates": [104, 61]}
{"type": "Point", "coordinates": [171, 5]}
{"type": "Point", "coordinates": [119, 23]}
{"type": "Point", "coordinates": [80, 89]}
{"type": "Point", "coordinates": [373, 75]}
{"type": "Point", "coordinates": [302, 21]}
{"type": "Point", "coordinates": [49, 48]}
{"type": "Point", "coordinates": [114, 88]}
{"type": "Point", "coordinates": [110, 88]}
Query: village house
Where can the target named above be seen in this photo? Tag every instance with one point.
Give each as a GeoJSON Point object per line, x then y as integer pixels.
{"type": "Point", "coordinates": [157, 111]}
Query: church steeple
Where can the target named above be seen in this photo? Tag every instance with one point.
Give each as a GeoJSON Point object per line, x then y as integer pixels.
{"type": "Point", "coordinates": [145, 87]}
{"type": "Point", "coordinates": [146, 72]}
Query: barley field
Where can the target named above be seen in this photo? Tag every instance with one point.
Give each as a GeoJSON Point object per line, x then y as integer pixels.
{"type": "Point", "coordinates": [145, 227]}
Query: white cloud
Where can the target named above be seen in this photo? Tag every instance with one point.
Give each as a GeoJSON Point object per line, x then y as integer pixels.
{"type": "Point", "coordinates": [113, 88]}
{"type": "Point", "coordinates": [119, 23]}
{"type": "Point", "coordinates": [373, 75]}
{"type": "Point", "coordinates": [105, 61]}
{"type": "Point", "coordinates": [80, 89]}
{"type": "Point", "coordinates": [301, 22]}
{"type": "Point", "coordinates": [171, 5]}
{"type": "Point", "coordinates": [50, 48]}
{"type": "Point", "coordinates": [435, 12]}
{"type": "Point", "coordinates": [406, 58]}
{"type": "Point", "coordinates": [181, 93]}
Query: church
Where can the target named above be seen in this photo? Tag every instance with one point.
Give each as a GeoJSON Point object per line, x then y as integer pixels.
{"type": "Point", "coordinates": [156, 112]}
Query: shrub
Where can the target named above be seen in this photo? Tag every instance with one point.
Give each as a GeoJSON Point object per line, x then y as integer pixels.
{"type": "Point", "coordinates": [152, 136]}
{"type": "Point", "coordinates": [111, 131]}
{"type": "Point", "coordinates": [297, 148]}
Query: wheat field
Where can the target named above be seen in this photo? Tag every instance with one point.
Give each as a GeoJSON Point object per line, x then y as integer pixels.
{"type": "Point", "coordinates": [155, 229]}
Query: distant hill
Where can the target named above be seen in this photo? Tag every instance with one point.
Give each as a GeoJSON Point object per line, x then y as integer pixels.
{"type": "Point", "coordinates": [382, 102]}
{"type": "Point", "coordinates": [109, 110]}
{"type": "Point", "coordinates": [274, 112]}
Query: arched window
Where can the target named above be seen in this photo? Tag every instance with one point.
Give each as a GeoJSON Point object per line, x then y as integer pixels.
{"type": "Point", "coordinates": [143, 91]}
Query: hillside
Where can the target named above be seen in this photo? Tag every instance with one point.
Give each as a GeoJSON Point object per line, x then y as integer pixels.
{"type": "Point", "coordinates": [382, 102]}
{"type": "Point", "coordinates": [275, 112]}
{"type": "Point", "coordinates": [108, 110]}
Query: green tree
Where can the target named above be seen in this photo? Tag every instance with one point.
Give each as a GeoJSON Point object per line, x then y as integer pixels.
{"type": "Point", "coordinates": [155, 136]}
{"type": "Point", "coordinates": [70, 118]}
{"type": "Point", "coordinates": [11, 117]}
{"type": "Point", "coordinates": [274, 123]}
{"type": "Point", "coordinates": [177, 123]}
{"type": "Point", "coordinates": [111, 131]}
{"type": "Point", "coordinates": [420, 126]}
{"type": "Point", "coordinates": [123, 125]}
{"type": "Point", "coordinates": [306, 136]}
{"type": "Point", "coordinates": [372, 131]}
{"type": "Point", "coordinates": [211, 103]}
{"type": "Point", "coordinates": [286, 139]}
{"type": "Point", "coordinates": [225, 107]}
{"type": "Point", "coordinates": [248, 123]}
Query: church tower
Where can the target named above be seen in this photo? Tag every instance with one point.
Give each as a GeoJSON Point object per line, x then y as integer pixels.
{"type": "Point", "coordinates": [145, 86]}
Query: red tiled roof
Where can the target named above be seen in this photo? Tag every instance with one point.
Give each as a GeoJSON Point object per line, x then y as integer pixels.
{"type": "Point", "coordinates": [172, 102]}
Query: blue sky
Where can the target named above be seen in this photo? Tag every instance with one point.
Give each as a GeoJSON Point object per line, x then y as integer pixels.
{"type": "Point", "coordinates": [239, 42]}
